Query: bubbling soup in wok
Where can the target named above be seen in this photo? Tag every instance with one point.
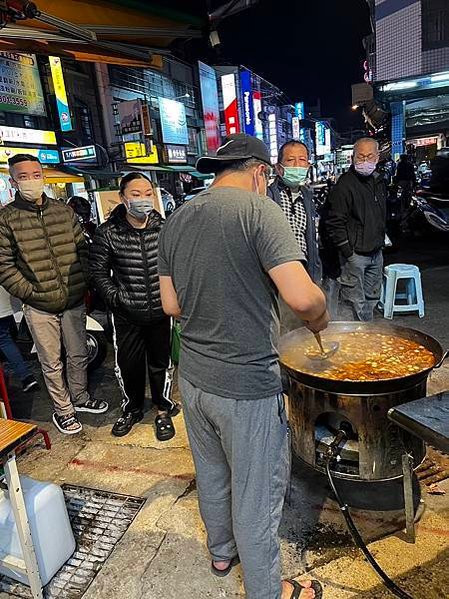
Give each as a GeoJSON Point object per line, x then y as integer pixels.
{"type": "Point", "coordinates": [361, 356]}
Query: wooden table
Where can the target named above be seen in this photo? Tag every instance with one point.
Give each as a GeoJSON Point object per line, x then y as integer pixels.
{"type": "Point", "coordinates": [12, 435]}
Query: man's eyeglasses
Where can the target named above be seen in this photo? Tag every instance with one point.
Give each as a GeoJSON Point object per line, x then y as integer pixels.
{"type": "Point", "coordinates": [366, 157]}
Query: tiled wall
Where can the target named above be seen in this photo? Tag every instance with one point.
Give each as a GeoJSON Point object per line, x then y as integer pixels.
{"type": "Point", "coordinates": [398, 42]}
{"type": "Point", "coordinates": [435, 61]}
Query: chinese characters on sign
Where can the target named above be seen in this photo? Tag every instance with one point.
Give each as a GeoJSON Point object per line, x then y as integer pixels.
{"type": "Point", "coordinates": [60, 93]}
{"type": "Point", "coordinates": [175, 154]}
{"type": "Point", "coordinates": [20, 84]}
{"type": "Point", "coordinates": [78, 154]}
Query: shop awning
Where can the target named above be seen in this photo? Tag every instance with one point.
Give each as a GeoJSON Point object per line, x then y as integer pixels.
{"type": "Point", "coordinates": [121, 32]}
{"type": "Point", "coordinates": [186, 168]}
{"type": "Point", "coordinates": [95, 173]}
{"type": "Point", "coordinates": [54, 175]}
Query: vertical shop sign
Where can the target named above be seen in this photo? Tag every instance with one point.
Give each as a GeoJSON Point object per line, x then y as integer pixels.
{"type": "Point", "coordinates": [300, 113]}
{"type": "Point", "coordinates": [257, 103]}
{"type": "Point", "coordinates": [273, 137]}
{"type": "Point", "coordinates": [296, 131]}
{"type": "Point", "coordinates": [60, 93]}
{"type": "Point", "coordinates": [231, 111]}
{"type": "Point", "coordinates": [247, 102]}
{"type": "Point", "coordinates": [211, 110]}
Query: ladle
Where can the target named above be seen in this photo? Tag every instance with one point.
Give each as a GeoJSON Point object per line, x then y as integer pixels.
{"type": "Point", "coordinates": [325, 355]}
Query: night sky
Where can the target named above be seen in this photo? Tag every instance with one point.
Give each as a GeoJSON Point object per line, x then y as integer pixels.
{"type": "Point", "coordinates": [309, 48]}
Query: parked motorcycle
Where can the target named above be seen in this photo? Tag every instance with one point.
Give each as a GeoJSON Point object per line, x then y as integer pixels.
{"type": "Point", "coordinates": [428, 211]}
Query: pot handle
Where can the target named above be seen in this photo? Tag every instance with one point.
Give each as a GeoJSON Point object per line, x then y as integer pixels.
{"type": "Point", "coordinates": [445, 357]}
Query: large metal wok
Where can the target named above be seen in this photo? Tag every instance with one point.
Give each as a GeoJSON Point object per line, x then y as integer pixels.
{"type": "Point", "coordinates": [303, 337]}
{"type": "Point", "coordinates": [318, 406]}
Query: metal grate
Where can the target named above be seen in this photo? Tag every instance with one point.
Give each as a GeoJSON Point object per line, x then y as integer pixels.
{"type": "Point", "coordinates": [99, 520]}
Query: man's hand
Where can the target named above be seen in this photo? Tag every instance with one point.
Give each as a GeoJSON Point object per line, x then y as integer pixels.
{"type": "Point", "coordinates": [319, 324]}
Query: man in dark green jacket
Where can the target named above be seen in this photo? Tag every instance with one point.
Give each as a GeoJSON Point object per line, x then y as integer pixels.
{"type": "Point", "coordinates": [42, 257]}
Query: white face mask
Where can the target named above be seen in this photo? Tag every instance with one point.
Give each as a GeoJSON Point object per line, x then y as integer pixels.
{"type": "Point", "coordinates": [31, 190]}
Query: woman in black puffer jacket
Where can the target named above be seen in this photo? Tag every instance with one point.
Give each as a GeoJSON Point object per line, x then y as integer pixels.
{"type": "Point", "coordinates": [123, 267]}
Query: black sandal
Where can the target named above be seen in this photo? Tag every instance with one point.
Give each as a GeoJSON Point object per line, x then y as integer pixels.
{"type": "Point", "coordinates": [165, 429]}
{"type": "Point", "coordinates": [222, 573]}
{"type": "Point", "coordinates": [297, 589]}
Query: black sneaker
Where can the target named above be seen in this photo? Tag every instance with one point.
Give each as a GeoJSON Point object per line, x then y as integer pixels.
{"type": "Point", "coordinates": [93, 406]}
{"type": "Point", "coordinates": [30, 384]}
{"type": "Point", "coordinates": [125, 423]}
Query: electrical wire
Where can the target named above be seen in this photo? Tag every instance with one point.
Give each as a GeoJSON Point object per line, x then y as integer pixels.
{"type": "Point", "coordinates": [332, 454]}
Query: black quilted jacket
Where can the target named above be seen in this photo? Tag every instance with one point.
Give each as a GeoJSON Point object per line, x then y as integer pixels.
{"type": "Point", "coordinates": [123, 266]}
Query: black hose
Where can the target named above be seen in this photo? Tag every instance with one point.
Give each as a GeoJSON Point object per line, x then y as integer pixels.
{"type": "Point", "coordinates": [353, 530]}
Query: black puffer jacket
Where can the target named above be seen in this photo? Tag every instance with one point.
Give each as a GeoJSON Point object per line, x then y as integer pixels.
{"type": "Point", "coordinates": [131, 254]}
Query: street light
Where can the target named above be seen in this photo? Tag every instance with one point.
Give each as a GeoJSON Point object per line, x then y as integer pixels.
{"type": "Point", "coordinates": [183, 96]}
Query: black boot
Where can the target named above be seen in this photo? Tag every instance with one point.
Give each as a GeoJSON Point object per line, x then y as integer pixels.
{"type": "Point", "coordinates": [125, 423]}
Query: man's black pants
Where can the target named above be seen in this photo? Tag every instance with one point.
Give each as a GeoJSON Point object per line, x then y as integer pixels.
{"type": "Point", "coordinates": [138, 347]}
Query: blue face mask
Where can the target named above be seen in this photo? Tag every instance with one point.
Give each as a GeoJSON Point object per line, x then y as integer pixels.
{"type": "Point", "coordinates": [294, 176]}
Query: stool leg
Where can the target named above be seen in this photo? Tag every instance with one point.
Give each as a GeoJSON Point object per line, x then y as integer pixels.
{"type": "Point", "coordinates": [23, 526]}
{"type": "Point", "coordinates": [390, 294]}
{"type": "Point", "coordinates": [419, 296]}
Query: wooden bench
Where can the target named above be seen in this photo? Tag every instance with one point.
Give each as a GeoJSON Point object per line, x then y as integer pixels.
{"type": "Point", "coordinates": [13, 435]}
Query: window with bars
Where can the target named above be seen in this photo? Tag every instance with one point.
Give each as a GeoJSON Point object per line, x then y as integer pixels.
{"type": "Point", "coordinates": [435, 24]}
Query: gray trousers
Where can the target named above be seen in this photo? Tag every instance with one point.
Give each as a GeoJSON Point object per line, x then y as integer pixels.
{"type": "Point", "coordinates": [50, 333]}
{"type": "Point", "coordinates": [241, 455]}
{"type": "Point", "coordinates": [361, 283]}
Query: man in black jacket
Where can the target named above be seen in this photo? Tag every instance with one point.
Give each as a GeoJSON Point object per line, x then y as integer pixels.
{"type": "Point", "coordinates": [355, 225]}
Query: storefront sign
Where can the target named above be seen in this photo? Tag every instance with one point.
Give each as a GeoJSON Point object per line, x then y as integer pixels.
{"type": "Point", "coordinates": [136, 153]}
{"type": "Point", "coordinates": [26, 136]}
{"type": "Point", "coordinates": [175, 154]}
{"type": "Point", "coordinates": [44, 156]}
{"type": "Point", "coordinates": [273, 137]}
{"type": "Point", "coordinates": [300, 113]}
{"type": "Point", "coordinates": [211, 111]}
{"type": "Point", "coordinates": [257, 103]}
{"type": "Point", "coordinates": [296, 131]}
{"type": "Point", "coordinates": [134, 117]}
{"type": "Point", "coordinates": [173, 122]}
{"type": "Point", "coordinates": [247, 102]}
{"type": "Point", "coordinates": [323, 138]}
{"type": "Point", "coordinates": [424, 141]}
{"type": "Point", "coordinates": [20, 84]}
{"type": "Point", "coordinates": [231, 110]}
{"type": "Point", "coordinates": [60, 93]}
{"type": "Point", "coordinates": [79, 154]}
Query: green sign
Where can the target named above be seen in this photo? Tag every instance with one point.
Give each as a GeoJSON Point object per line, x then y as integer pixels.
{"type": "Point", "coordinates": [20, 84]}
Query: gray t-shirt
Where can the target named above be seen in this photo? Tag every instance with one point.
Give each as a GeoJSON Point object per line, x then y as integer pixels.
{"type": "Point", "coordinates": [218, 249]}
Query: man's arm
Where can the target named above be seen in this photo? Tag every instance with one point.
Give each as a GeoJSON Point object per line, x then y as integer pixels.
{"type": "Point", "coordinates": [169, 297]}
{"type": "Point", "coordinates": [10, 276]}
{"type": "Point", "coordinates": [301, 294]}
{"type": "Point", "coordinates": [100, 270]}
{"type": "Point", "coordinates": [337, 219]}
{"type": "Point", "coordinates": [81, 245]}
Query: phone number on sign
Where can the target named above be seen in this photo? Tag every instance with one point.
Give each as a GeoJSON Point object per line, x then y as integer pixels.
{"type": "Point", "coordinates": [15, 101]}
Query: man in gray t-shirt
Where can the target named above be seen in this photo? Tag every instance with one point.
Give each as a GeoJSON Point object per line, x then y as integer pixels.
{"type": "Point", "coordinates": [223, 257]}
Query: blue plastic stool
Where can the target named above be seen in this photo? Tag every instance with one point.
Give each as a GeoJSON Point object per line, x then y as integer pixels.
{"type": "Point", "coordinates": [413, 293]}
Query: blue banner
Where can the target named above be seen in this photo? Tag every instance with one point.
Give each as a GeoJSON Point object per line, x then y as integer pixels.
{"type": "Point", "coordinates": [247, 102]}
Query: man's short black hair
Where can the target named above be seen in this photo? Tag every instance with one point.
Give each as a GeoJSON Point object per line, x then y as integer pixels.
{"type": "Point", "coordinates": [291, 142]}
{"type": "Point", "coordinates": [22, 158]}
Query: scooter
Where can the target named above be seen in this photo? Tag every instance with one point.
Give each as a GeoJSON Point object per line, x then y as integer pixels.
{"type": "Point", "coordinates": [428, 211]}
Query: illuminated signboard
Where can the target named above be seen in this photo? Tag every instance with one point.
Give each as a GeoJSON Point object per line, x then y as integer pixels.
{"type": "Point", "coordinates": [136, 153]}
{"type": "Point", "coordinates": [175, 154]}
{"type": "Point", "coordinates": [273, 137]}
{"type": "Point", "coordinates": [26, 136]}
{"type": "Point", "coordinates": [323, 138]}
{"type": "Point", "coordinates": [61, 95]}
{"type": "Point", "coordinates": [211, 110]}
{"type": "Point", "coordinates": [173, 122]}
{"type": "Point", "coordinates": [300, 113]}
{"type": "Point", "coordinates": [78, 154]}
{"type": "Point", "coordinates": [257, 102]}
{"type": "Point", "coordinates": [296, 131]}
{"type": "Point", "coordinates": [44, 156]}
{"type": "Point", "coordinates": [247, 102]}
{"type": "Point", "coordinates": [20, 84]}
{"type": "Point", "coordinates": [231, 111]}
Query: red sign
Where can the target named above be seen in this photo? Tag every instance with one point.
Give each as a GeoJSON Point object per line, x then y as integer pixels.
{"type": "Point", "coordinates": [231, 110]}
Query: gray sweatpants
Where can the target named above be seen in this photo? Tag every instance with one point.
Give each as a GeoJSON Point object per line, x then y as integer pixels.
{"type": "Point", "coordinates": [361, 283]}
{"type": "Point", "coordinates": [241, 455]}
{"type": "Point", "coordinates": [50, 333]}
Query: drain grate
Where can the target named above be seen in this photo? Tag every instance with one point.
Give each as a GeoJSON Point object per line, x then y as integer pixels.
{"type": "Point", "coordinates": [99, 520]}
